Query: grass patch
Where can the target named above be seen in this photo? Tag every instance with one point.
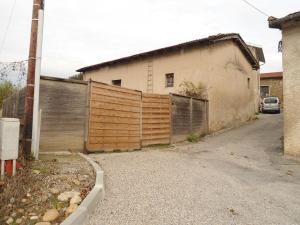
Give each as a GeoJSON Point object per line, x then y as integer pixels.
{"type": "Point", "coordinates": [40, 169]}
{"type": "Point", "coordinates": [55, 203]}
{"type": "Point", "coordinates": [159, 146]}
{"type": "Point", "coordinates": [193, 138]}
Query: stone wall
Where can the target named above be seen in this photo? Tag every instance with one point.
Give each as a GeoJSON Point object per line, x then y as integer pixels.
{"type": "Point", "coordinates": [275, 87]}
{"type": "Point", "coordinates": [291, 88]}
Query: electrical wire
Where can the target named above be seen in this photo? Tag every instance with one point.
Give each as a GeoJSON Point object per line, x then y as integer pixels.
{"type": "Point", "coordinates": [7, 27]}
{"type": "Point", "coordinates": [257, 9]}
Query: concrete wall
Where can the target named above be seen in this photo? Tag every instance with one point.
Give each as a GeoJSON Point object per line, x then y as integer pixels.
{"type": "Point", "coordinates": [64, 111]}
{"type": "Point", "coordinates": [221, 67]}
{"type": "Point", "coordinates": [275, 87]}
{"type": "Point", "coordinates": [291, 88]}
{"type": "Point", "coordinates": [189, 116]}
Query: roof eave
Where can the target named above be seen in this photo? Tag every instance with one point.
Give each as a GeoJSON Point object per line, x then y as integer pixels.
{"type": "Point", "coordinates": [266, 78]}
{"type": "Point", "coordinates": [277, 23]}
{"type": "Point", "coordinates": [244, 48]}
{"type": "Point", "coordinates": [205, 41]}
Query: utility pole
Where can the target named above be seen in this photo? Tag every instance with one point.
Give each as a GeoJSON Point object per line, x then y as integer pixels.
{"type": "Point", "coordinates": [37, 113]}
{"type": "Point", "coordinates": [28, 109]}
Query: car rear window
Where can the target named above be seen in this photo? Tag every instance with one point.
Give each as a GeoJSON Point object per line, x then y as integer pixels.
{"type": "Point", "coordinates": [270, 100]}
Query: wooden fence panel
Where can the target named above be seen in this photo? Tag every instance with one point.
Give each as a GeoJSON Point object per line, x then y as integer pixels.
{"type": "Point", "coordinates": [155, 119]}
{"type": "Point", "coordinates": [103, 117]}
{"type": "Point", "coordinates": [114, 118]}
{"type": "Point", "coordinates": [13, 106]}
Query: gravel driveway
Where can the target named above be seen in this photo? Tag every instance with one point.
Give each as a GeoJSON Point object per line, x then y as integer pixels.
{"type": "Point", "coordinates": [238, 177]}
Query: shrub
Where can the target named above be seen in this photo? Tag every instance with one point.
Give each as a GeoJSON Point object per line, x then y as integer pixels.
{"type": "Point", "coordinates": [7, 88]}
{"type": "Point", "coordinates": [193, 138]}
{"type": "Point", "coordinates": [78, 76]}
{"type": "Point", "coordinates": [190, 89]}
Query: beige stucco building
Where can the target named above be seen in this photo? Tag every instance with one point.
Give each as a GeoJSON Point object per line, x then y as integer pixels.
{"type": "Point", "coordinates": [224, 64]}
{"type": "Point", "coordinates": [290, 26]}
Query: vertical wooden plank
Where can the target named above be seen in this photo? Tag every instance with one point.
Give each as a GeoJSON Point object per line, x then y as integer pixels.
{"type": "Point", "coordinates": [170, 116]}
{"type": "Point", "coordinates": [191, 116]}
{"type": "Point", "coordinates": [141, 120]}
{"type": "Point", "coordinates": [4, 108]}
{"type": "Point", "coordinates": [207, 116]}
{"type": "Point", "coordinates": [88, 116]}
{"type": "Point", "coordinates": [17, 104]}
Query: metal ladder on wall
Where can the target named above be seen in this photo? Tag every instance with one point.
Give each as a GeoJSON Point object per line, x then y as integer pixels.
{"type": "Point", "coordinates": [150, 76]}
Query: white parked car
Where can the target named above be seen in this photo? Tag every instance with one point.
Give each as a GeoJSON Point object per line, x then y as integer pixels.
{"type": "Point", "coordinates": [270, 104]}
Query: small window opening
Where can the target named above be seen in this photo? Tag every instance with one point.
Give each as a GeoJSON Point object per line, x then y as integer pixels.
{"type": "Point", "coordinates": [248, 83]}
{"type": "Point", "coordinates": [116, 82]}
{"type": "Point", "coordinates": [264, 91]}
{"type": "Point", "coordinates": [170, 80]}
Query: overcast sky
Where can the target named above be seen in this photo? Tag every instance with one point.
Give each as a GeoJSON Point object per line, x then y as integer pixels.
{"type": "Point", "coordinates": [78, 33]}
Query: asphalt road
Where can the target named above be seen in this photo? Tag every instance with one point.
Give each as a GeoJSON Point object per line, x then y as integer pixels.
{"type": "Point", "coordinates": [238, 177]}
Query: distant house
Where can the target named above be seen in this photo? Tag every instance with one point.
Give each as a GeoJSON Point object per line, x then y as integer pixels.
{"type": "Point", "coordinates": [290, 46]}
{"type": "Point", "coordinates": [224, 64]}
{"type": "Point", "coordinates": [271, 85]}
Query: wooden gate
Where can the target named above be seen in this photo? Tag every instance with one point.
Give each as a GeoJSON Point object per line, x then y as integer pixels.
{"type": "Point", "coordinates": [155, 119]}
{"type": "Point", "coordinates": [114, 118]}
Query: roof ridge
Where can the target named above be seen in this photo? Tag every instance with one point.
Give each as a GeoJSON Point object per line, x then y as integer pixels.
{"type": "Point", "coordinates": [278, 22]}
{"type": "Point", "coordinates": [207, 40]}
{"type": "Point", "coordinates": [271, 75]}
{"type": "Point", "coordinates": [272, 72]}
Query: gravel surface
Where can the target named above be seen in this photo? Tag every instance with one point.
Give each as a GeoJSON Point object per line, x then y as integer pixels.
{"type": "Point", "coordinates": [34, 191]}
{"type": "Point", "coordinates": [238, 177]}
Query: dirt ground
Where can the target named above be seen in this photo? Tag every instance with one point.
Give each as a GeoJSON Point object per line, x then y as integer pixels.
{"type": "Point", "coordinates": [26, 197]}
{"type": "Point", "coordinates": [237, 177]}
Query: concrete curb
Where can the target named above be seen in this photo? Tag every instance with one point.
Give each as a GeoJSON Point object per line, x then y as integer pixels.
{"type": "Point", "coordinates": [89, 203]}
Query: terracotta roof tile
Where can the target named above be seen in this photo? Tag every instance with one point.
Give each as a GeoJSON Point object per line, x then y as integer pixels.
{"type": "Point", "coordinates": [271, 75]}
